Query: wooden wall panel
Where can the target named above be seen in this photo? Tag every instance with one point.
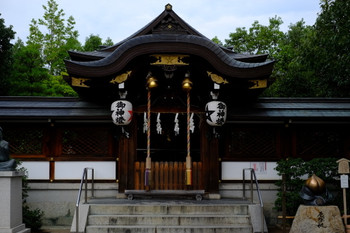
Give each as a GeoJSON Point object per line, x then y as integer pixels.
{"type": "Point", "coordinates": [168, 175]}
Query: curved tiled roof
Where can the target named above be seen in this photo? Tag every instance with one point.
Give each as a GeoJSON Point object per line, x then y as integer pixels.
{"type": "Point", "coordinates": [147, 29]}
{"type": "Point", "coordinates": [180, 38]}
{"type": "Point", "coordinates": [100, 54]}
{"type": "Point", "coordinates": [165, 43]}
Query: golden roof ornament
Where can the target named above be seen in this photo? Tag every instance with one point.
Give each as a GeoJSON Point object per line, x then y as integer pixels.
{"type": "Point", "coordinates": [121, 78]}
{"type": "Point", "coordinates": [168, 7]}
{"type": "Point", "coordinates": [217, 78]}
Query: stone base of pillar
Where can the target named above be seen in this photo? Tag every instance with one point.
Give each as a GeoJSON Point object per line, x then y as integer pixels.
{"type": "Point", "coordinates": [11, 220]}
{"type": "Point", "coordinates": [19, 229]}
{"type": "Point", "coordinates": [317, 219]}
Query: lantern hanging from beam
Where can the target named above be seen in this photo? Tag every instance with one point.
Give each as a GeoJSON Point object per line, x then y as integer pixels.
{"type": "Point", "coordinates": [216, 112]}
{"type": "Point", "coordinates": [122, 112]}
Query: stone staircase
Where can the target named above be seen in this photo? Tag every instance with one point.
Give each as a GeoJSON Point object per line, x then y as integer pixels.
{"type": "Point", "coordinates": [159, 217]}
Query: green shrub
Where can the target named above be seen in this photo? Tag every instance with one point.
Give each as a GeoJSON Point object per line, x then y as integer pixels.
{"type": "Point", "coordinates": [31, 218]}
{"type": "Point", "coordinates": [296, 170]}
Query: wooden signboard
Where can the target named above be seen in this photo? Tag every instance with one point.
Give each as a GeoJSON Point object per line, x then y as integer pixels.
{"type": "Point", "coordinates": [343, 166]}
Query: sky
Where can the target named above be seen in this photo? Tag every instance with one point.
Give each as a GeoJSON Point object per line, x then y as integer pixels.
{"type": "Point", "coordinates": [118, 19]}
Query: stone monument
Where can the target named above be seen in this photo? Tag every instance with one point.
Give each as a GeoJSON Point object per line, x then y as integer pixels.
{"type": "Point", "coordinates": [317, 219]}
{"type": "Point", "coordinates": [11, 220]}
{"type": "Point", "coordinates": [315, 216]}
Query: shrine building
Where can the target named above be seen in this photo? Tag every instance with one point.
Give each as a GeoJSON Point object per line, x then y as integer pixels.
{"type": "Point", "coordinates": [166, 109]}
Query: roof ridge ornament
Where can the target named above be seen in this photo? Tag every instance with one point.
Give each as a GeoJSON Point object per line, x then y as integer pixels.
{"type": "Point", "coordinates": [168, 7]}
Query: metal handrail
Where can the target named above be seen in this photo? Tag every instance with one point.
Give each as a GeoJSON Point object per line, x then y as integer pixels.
{"type": "Point", "coordinates": [252, 174]}
{"type": "Point", "coordinates": [83, 180]}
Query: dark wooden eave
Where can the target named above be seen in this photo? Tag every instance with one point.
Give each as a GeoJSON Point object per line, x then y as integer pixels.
{"type": "Point", "coordinates": [99, 54]}
{"type": "Point", "coordinates": [264, 111]}
{"type": "Point", "coordinates": [88, 56]}
{"type": "Point", "coordinates": [47, 109]}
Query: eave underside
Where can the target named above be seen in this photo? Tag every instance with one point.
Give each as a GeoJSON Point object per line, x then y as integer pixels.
{"type": "Point", "coordinates": [265, 110]}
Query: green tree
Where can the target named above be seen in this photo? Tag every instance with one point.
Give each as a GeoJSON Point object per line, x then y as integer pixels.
{"type": "Point", "coordinates": [292, 74]}
{"type": "Point", "coordinates": [108, 42]}
{"type": "Point", "coordinates": [6, 35]}
{"type": "Point", "coordinates": [217, 41]}
{"type": "Point", "coordinates": [330, 57]}
{"type": "Point", "coordinates": [38, 65]}
{"type": "Point", "coordinates": [92, 43]}
{"type": "Point", "coordinates": [240, 41]}
{"type": "Point", "coordinates": [259, 39]}
{"type": "Point", "coordinates": [56, 86]}
{"type": "Point", "coordinates": [58, 37]}
{"type": "Point", "coordinates": [28, 70]}
{"type": "Point", "coordinates": [314, 60]}
{"type": "Point", "coordinates": [30, 78]}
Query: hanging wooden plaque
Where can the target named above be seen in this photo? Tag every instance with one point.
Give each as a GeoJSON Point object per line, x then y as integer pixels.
{"type": "Point", "coordinates": [343, 166]}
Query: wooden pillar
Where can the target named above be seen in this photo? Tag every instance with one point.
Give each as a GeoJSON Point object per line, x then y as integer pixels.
{"type": "Point", "coordinates": [288, 141]}
{"type": "Point", "coordinates": [127, 155]}
{"type": "Point", "coordinates": [209, 155]}
{"type": "Point", "coordinates": [131, 156]}
{"type": "Point", "coordinates": [52, 147]}
{"type": "Point", "coordinates": [122, 164]}
{"type": "Point", "coordinates": [214, 166]}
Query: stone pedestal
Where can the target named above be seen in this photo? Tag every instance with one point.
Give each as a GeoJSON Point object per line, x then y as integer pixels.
{"type": "Point", "coordinates": [317, 219]}
{"type": "Point", "coordinates": [11, 202]}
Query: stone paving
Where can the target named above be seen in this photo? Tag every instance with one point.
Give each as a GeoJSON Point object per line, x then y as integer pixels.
{"type": "Point", "coordinates": [160, 201]}
{"type": "Point", "coordinates": [49, 230]}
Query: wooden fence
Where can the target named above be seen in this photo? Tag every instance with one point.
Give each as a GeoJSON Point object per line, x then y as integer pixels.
{"type": "Point", "coordinates": [168, 176]}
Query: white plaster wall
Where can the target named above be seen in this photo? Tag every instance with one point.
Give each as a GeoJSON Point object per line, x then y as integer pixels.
{"type": "Point", "coordinates": [37, 170]}
{"type": "Point", "coordinates": [66, 170]}
{"type": "Point", "coordinates": [57, 200]}
{"type": "Point", "coordinates": [263, 170]}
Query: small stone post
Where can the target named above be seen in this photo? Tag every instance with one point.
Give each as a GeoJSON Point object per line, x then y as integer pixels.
{"type": "Point", "coordinates": [11, 220]}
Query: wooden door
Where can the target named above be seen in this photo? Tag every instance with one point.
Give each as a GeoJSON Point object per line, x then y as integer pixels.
{"type": "Point", "coordinates": [168, 154]}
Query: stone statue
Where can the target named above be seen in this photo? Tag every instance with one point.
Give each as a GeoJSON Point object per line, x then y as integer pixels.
{"type": "Point", "coordinates": [5, 163]}
{"type": "Point", "coordinates": [314, 192]}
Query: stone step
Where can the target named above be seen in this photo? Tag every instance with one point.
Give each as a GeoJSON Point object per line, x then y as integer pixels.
{"type": "Point", "coordinates": [231, 209]}
{"type": "Point", "coordinates": [168, 229]}
{"type": "Point", "coordinates": [167, 217]}
{"type": "Point", "coordinates": [169, 220]}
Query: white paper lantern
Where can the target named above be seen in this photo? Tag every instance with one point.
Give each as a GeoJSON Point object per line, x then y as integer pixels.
{"type": "Point", "coordinates": [122, 112]}
{"type": "Point", "coordinates": [216, 112]}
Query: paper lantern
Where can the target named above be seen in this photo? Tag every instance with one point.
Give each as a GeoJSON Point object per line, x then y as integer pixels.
{"type": "Point", "coordinates": [215, 112]}
{"type": "Point", "coordinates": [122, 112]}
